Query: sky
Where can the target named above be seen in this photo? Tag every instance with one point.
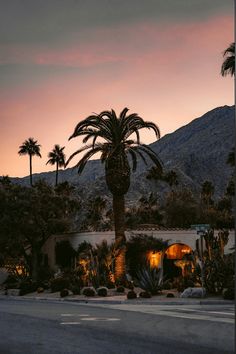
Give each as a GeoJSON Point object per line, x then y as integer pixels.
{"type": "Point", "coordinates": [60, 61]}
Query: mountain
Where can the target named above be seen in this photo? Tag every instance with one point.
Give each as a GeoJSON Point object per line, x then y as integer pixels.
{"type": "Point", "coordinates": [197, 151]}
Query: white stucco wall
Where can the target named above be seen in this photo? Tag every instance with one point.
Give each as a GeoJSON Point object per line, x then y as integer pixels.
{"type": "Point", "coordinates": [187, 237]}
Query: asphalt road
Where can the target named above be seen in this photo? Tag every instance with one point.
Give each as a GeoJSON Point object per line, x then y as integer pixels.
{"type": "Point", "coordinates": [36, 327]}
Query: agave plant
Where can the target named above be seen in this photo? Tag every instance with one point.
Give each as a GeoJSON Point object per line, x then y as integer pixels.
{"type": "Point", "coordinates": [150, 279]}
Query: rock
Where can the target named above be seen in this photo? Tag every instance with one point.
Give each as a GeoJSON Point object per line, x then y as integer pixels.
{"type": "Point", "coordinates": [193, 293]}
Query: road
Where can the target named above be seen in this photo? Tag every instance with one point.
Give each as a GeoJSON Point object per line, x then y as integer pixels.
{"type": "Point", "coordinates": [43, 327]}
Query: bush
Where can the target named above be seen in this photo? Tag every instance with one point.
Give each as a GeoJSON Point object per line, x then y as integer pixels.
{"type": "Point", "coordinates": [145, 295]}
{"type": "Point", "coordinates": [64, 293]}
{"type": "Point", "coordinates": [75, 289]}
{"type": "Point", "coordinates": [89, 291]}
{"type": "Point", "coordinates": [59, 284]}
{"type": "Point", "coordinates": [102, 291]}
{"type": "Point", "coordinates": [40, 290]}
{"type": "Point", "coordinates": [120, 289]}
{"type": "Point", "coordinates": [27, 286]}
{"type": "Point", "coordinates": [229, 294]}
{"type": "Point", "coordinates": [131, 295]}
{"type": "Point", "coordinates": [167, 285]}
{"type": "Point", "coordinates": [149, 279]}
{"type": "Point", "coordinates": [170, 295]}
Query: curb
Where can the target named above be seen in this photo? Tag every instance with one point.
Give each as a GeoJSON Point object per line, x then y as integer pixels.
{"type": "Point", "coordinates": [125, 301]}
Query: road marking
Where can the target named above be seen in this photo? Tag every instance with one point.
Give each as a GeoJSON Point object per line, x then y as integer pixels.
{"type": "Point", "coordinates": [222, 313]}
{"type": "Point", "coordinates": [70, 323]}
{"type": "Point", "coordinates": [173, 312]}
{"type": "Point", "coordinates": [73, 314]}
{"type": "Point", "coordinates": [100, 319]}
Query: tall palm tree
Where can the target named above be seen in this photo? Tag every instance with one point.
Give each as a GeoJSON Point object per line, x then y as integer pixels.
{"type": "Point", "coordinates": [57, 156]}
{"type": "Point", "coordinates": [228, 66]}
{"type": "Point", "coordinates": [207, 192]}
{"type": "Point", "coordinates": [31, 148]}
{"type": "Point", "coordinates": [114, 138]}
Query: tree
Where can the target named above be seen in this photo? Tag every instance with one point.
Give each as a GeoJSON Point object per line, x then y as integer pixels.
{"type": "Point", "coordinates": [181, 209]}
{"type": "Point", "coordinates": [148, 210]}
{"type": "Point", "coordinates": [207, 192]}
{"type": "Point", "coordinates": [171, 178]}
{"type": "Point", "coordinates": [31, 148]}
{"type": "Point", "coordinates": [112, 138]}
{"type": "Point", "coordinates": [96, 208]}
{"type": "Point", "coordinates": [28, 217]}
{"type": "Point", "coordinates": [57, 156]}
{"type": "Point", "coordinates": [228, 66]}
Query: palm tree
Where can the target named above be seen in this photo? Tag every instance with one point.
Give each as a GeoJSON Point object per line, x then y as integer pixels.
{"type": "Point", "coordinates": [207, 192]}
{"type": "Point", "coordinates": [31, 148]}
{"type": "Point", "coordinates": [112, 138]}
{"type": "Point", "coordinates": [228, 66]}
{"type": "Point", "coordinates": [57, 156]}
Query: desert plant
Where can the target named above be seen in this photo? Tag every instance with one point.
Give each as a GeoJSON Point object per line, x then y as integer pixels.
{"type": "Point", "coordinates": [89, 291]}
{"type": "Point", "coordinates": [64, 293]}
{"type": "Point", "coordinates": [170, 295]}
{"type": "Point", "coordinates": [229, 294]}
{"type": "Point", "coordinates": [102, 291]}
{"type": "Point", "coordinates": [75, 289]}
{"type": "Point", "coordinates": [145, 295]}
{"type": "Point", "coordinates": [150, 279]}
{"type": "Point", "coordinates": [59, 284]}
{"type": "Point", "coordinates": [27, 286]}
{"type": "Point", "coordinates": [120, 289]}
{"type": "Point", "coordinates": [131, 295]}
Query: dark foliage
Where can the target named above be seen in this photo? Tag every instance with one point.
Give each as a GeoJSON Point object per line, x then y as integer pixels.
{"type": "Point", "coordinates": [131, 295]}
{"type": "Point", "coordinates": [137, 248]}
{"type": "Point", "coordinates": [65, 254]}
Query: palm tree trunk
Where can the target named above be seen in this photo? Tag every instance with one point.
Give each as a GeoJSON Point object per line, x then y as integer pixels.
{"type": "Point", "coordinates": [57, 174]}
{"type": "Point", "coordinates": [119, 220]}
{"type": "Point", "coordinates": [31, 180]}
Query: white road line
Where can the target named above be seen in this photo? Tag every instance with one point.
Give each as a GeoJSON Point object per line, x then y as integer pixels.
{"type": "Point", "coordinates": [100, 319]}
{"type": "Point", "coordinates": [73, 315]}
{"type": "Point", "coordinates": [70, 323]}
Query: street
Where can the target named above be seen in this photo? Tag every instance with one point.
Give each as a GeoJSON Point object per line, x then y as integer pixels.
{"type": "Point", "coordinates": [37, 327]}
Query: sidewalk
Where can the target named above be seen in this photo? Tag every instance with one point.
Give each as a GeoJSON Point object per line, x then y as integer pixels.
{"type": "Point", "coordinates": [122, 299]}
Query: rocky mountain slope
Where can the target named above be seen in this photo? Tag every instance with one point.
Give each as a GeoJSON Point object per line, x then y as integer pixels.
{"type": "Point", "coordinates": [197, 151]}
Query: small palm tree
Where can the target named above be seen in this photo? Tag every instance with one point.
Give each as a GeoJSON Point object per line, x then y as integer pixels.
{"type": "Point", "coordinates": [207, 192]}
{"type": "Point", "coordinates": [228, 66]}
{"type": "Point", "coordinates": [114, 145]}
{"type": "Point", "coordinates": [57, 156]}
{"type": "Point", "coordinates": [31, 148]}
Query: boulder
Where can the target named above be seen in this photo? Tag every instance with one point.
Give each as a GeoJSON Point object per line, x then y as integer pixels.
{"type": "Point", "coordinates": [193, 293]}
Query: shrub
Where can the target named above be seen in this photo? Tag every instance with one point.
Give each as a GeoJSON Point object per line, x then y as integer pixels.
{"type": "Point", "coordinates": [229, 294]}
{"type": "Point", "coordinates": [150, 279]}
{"type": "Point", "coordinates": [27, 286]}
{"type": "Point", "coordinates": [145, 295]}
{"type": "Point", "coordinates": [167, 285]}
{"type": "Point", "coordinates": [131, 295]}
{"type": "Point", "coordinates": [170, 295]}
{"type": "Point", "coordinates": [64, 293]}
{"type": "Point", "coordinates": [75, 289]}
{"type": "Point", "coordinates": [40, 290]}
{"type": "Point", "coordinates": [59, 284]}
{"type": "Point", "coordinates": [89, 291]}
{"type": "Point", "coordinates": [102, 291]}
{"type": "Point", "coordinates": [120, 289]}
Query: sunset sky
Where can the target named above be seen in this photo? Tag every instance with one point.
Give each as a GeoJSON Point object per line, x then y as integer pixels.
{"type": "Point", "coordinates": [61, 60]}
